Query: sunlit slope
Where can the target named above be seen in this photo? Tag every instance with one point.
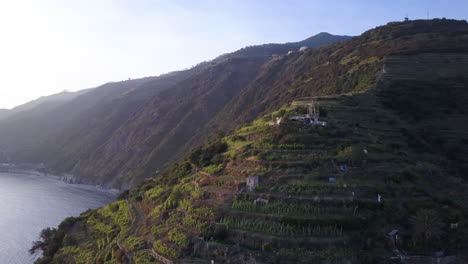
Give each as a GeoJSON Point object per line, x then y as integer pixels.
{"type": "Point", "coordinates": [306, 207]}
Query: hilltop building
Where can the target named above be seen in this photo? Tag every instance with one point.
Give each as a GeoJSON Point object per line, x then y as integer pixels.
{"type": "Point", "coordinates": [276, 121]}
{"type": "Point", "coordinates": [252, 181]}
{"type": "Point", "coordinates": [312, 117]}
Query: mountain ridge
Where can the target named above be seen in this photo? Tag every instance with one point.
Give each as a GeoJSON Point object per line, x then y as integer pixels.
{"type": "Point", "coordinates": [101, 128]}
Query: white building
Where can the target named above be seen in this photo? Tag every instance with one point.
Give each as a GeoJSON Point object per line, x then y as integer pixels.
{"type": "Point", "coordinates": [251, 182]}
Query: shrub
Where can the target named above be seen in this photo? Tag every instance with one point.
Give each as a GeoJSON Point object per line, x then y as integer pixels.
{"type": "Point", "coordinates": [267, 246]}
{"type": "Point", "coordinates": [157, 231]}
{"type": "Point", "coordinates": [213, 169]}
{"type": "Point", "coordinates": [69, 240]}
{"type": "Point", "coordinates": [114, 207]}
{"type": "Point", "coordinates": [175, 173]}
{"type": "Point", "coordinates": [207, 155]}
{"type": "Point", "coordinates": [178, 237]}
{"type": "Point", "coordinates": [134, 243]}
{"type": "Point", "coordinates": [156, 212]}
{"type": "Point", "coordinates": [352, 154]}
{"type": "Point", "coordinates": [173, 200]}
{"type": "Point", "coordinates": [192, 223]}
{"type": "Point", "coordinates": [154, 192]}
{"type": "Point", "coordinates": [120, 217]}
{"type": "Point", "coordinates": [123, 195]}
{"type": "Point", "coordinates": [161, 248]}
{"type": "Point", "coordinates": [141, 257]}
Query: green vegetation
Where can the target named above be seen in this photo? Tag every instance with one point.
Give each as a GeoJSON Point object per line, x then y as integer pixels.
{"type": "Point", "coordinates": [428, 228]}
{"type": "Point", "coordinates": [178, 238]}
{"type": "Point", "coordinates": [310, 208]}
{"type": "Point", "coordinates": [296, 210]}
{"type": "Point", "coordinates": [201, 212]}
{"type": "Point", "coordinates": [279, 229]}
{"type": "Point", "coordinates": [306, 188]}
{"type": "Point", "coordinates": [213, 169]}
{"type": "Point", "coordinates": [192, 223]}
{"type": "Point", "coordinates": [154, 193]}
{"type": "Point", "coordinates": [208, 155]}
{"type": "Point", "coordinates": [118, 212]}
{"type": "Point", "coordinates": [134, 243]}
{"type": "Point", "coordinates": [141, 257]}
{"type": "Point", "coordinates": [352, 155]}
{"type": "Point", "coordinates": [161, 248]}
{"type": "Point", "coordinates": [51, 239]}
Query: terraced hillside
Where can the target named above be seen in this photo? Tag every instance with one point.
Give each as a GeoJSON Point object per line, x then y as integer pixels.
{"type": "Point", "coordinates": [306, 208]}
{"type": "Point", "coordinates": [382, 181]}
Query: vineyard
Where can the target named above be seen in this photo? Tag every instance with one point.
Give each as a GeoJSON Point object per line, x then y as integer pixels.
{"type": "Point", "coordinates": [306, 188]}
{"type": "Point", "coordinates": [290, 209]}
{"type": "Point", "coordinates": [280, 229]}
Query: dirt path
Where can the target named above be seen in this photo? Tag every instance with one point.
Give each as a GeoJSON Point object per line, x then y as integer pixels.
{"type": "Point", "coordinates": [138, 218]}
{"type": "Point", "coordinates": [159, 257]}
{"type": "Point", "coordinates": [124, 249]}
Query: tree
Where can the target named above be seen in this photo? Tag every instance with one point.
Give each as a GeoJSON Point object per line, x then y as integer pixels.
{"type": "Point", "coordinates": [427, 228]}
{"type": "Point", "coordinates": [47, 242]}
{"type": "Point", "coordinates": [352, 154]}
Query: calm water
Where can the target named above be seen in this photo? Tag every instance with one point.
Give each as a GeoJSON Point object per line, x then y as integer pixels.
{"type": "Point", "coordinates": [30, 203]}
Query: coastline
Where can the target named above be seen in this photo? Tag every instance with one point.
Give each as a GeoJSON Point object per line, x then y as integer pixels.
{"type": "Point", "coordinates": [33, 200]}
{"type": "Point", "coordinates": [68, 179]}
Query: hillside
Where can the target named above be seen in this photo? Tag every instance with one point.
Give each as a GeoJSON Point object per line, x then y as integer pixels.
{"type": "Point", "coordinates": [43, 104]}
{"type": "Point", "coordinates": [390, 160]}
{"type": "Point", "coordinates": [24, 133]}
{"type": "Point", "coordinates": [120, 133]}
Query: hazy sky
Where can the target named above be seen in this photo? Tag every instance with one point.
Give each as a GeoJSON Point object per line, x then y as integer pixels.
{"type": "Point", "coordinates": [48, 46]}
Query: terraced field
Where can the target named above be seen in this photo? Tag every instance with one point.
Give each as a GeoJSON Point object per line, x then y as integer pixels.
{"type": "Point", "coordinates": [322, 193]}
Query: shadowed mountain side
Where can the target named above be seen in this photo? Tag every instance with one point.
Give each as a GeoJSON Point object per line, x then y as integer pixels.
{"type": "Point", "coordinates": [119, 132]}
{"type": "Point", "coordinates": [41, 105]}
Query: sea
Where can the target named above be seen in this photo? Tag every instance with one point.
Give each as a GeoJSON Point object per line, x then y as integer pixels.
{"type": "Point", "coordinates": [30, 203]}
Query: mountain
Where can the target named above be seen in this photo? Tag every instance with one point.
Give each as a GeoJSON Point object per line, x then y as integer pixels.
{"type": "Point", "coordinates": [120, 133]}
{"type": "Point", "coordinates": [267, 50]}
{"type": "Point", "coordinates": [379, 178]}
{"type": "Point", "coordinates": [42, 104]}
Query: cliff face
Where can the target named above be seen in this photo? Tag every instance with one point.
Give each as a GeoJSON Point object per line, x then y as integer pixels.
{"type": "Point", "coordinates": [391, 159]}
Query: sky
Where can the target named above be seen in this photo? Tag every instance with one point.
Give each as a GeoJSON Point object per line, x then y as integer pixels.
{"type": "Point", "coordinates": [49, 46]}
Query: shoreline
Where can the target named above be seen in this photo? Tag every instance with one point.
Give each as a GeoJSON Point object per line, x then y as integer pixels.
{"type": "Point", "coordinates": [68, 179]}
